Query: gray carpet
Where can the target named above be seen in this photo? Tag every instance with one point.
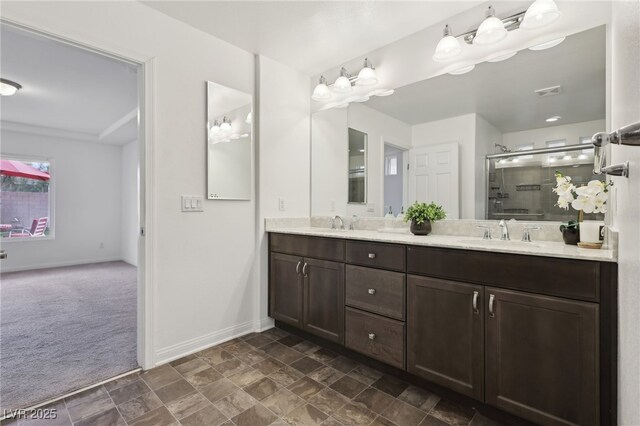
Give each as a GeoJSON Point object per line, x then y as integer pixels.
{"type": "Point", "coordinates": [65, 328]}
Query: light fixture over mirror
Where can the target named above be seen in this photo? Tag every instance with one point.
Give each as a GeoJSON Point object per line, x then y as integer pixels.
{"type": "Point", "coordinates": [343, 83]}
{"type": "Point", "coordinates": [491, 30]}
{"type": "Point", "coordinates": [540, 14]}
{"type": "Point", "coordinates": [448, 47]}
{"type": "Point", "coordinates": [367, 75]}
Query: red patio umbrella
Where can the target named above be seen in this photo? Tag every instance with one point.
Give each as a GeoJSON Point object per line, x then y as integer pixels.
{"type": "Point", "coordinates": [20, 169]}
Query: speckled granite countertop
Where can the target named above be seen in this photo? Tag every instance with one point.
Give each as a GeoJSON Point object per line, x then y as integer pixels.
{"type": "Point", "coordinates": [465, 242]}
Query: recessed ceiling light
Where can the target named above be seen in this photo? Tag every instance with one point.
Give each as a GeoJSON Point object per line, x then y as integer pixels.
{"type": "Point", "coordinates": [8, 87]}
{"type": "Point", "coordinates": [552, 119]}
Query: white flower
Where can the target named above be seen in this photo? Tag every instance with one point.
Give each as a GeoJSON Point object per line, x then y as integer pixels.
{"type": "Point", "coordinates": [584, 203]}
{"type": "Point", "coordinates": [596, 185]}
{"type": "Point", "coordinates": [563, 203]}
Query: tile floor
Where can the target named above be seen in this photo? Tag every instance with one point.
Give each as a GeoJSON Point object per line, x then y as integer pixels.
{"type": "Point", "coordinates": [260, 379]}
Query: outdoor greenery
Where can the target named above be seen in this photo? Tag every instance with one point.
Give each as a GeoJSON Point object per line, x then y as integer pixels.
{"type": "Point", "coordinates": [420, 212]}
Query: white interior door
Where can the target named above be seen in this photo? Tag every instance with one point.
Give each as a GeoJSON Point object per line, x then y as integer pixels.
{"type": "Point", "coordinates": [434, 176]}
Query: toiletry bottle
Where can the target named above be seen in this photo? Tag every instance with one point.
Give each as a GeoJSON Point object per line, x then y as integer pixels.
{"type": "Point", "coordinates": [388, 219]}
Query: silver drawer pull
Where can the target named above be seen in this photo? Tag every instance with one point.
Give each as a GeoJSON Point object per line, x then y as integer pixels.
{"type": "Point", "coordinates": [372, 255]}
{"type": "Point", "coordinates": [491, 311]}
{"type": "Point", "coordinates": [475, 302]}
{"type": "Point", "coordinates": [372, 336]}
{"type": "Point", "coordinates": [371, 291]}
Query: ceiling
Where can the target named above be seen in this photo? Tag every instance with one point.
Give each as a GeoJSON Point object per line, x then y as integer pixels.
{"type": "Point", "coordinates": [67, 90]}
{"type": "Point", "coordinates": [311, 36]}
{"type": "Point", "coordinates": [503, 92]}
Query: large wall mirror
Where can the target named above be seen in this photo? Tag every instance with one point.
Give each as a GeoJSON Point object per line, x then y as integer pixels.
{"type": "Point", "coordinates": [229, 143]}
{"type": "Point", "coordinates": [461, 140]}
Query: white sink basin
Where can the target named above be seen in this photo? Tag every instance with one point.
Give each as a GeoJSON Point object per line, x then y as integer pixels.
{"type": "Point", "coordinates": [498, 243]}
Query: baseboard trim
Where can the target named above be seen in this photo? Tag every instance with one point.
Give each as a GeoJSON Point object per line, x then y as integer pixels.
{"type": "Point", "coordinates": [59, 264]}
{"type": "Point", "coordinates": [265, 324]}
{"type": "Point", "coordinates": [190, 346]}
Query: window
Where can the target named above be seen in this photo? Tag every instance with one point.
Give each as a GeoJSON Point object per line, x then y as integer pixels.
{"type": "Point", "coordinates": [557, 155]}
{"type": "Point", "coordinates": [391, 165]}
{"type": "Point", "coordinates": [25, 198]}
{"type": "Point", "coordinates": [587, 140]}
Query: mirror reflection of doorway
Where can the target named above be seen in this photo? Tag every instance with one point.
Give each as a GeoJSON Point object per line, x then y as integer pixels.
{"type": "Point", "coordinates": [395, 179]}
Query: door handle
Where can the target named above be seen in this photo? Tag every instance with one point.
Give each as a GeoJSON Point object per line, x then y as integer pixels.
{"type": "Point", "coordinates": [3, 254]}
{"type": "Point", "coordinates": [491, 300]}
{"type": "Point", "coordinates": [475, 302]}
{"type": "Point", "coordinates": [372, 255]}
{"type": "Point", "coordinates": [371, 291]}
{"type": "Point", "coordinates": [304, 269]}
{"type": "Point", "coordinates": [298, 267]}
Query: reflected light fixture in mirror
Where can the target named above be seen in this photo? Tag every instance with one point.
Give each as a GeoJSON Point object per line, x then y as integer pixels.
{"type": "Point", "coordinates": [448, 47]}
{"type": "Point", "coordinates": [541, 13]}
{"type": "Point", "coordinates": [463, 70]}
{"type": "Point", "coordinates": [548, 44]}
{"type": "Point", "coordinates": [491, 30]}
{"type": "Point", "coordinates": [226, 125]}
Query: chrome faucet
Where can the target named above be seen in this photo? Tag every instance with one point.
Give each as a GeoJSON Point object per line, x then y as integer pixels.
{"type": "Point", "coordinates": [526, 234]}
{"type": "Point", "coordinates": [333, 222]}
{"type": "Point", "coordinates": [504, 230]}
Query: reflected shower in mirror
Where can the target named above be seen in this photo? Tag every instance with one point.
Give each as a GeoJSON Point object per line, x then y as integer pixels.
{"type": "Point", "coordinates": [442, 129]}
{"type": "Point", "coordinates": [229, 143]}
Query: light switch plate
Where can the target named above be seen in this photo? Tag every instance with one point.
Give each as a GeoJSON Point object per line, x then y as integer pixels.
{"type": "Point", "coordinates": [192, 203]}
{"type": "Point", "coordinates": [281, 204]}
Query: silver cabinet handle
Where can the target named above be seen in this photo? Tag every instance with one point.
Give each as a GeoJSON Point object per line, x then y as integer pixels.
{"type": "Point", "coordinates": [304, 269]}
{"type": "Point", "coordinates": [371, 291]}
{"type": "Point", "coordinates": [298, 267]}
{"type": "Point", "coordinates": [372, 336]}
{"type": "Point", "coordinates": [372, 255]}
{"type": "Point", "coordinates": [3, 254]}
{"type": "Point", "coordinates": [475, 302]}
{"type": "Point", "coordinates": [491, 300]}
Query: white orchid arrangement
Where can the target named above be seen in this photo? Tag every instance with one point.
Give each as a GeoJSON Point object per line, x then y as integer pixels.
{"type": "Point", "coordinates": [589, 198]}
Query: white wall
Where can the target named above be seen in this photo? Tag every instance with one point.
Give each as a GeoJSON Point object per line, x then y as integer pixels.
{"type": "Point", "coordinates": [329, 154]}
{"type": "Point", "coordinates": [487, 135]}
{"type": "Point", "coordinates": [203, 287]}
{"type": "Point", "coordinates": [87, 184]}
{"type": "Point", "coordinates": [283, 158]}
{"type": "Point", "coordinates": [539, 137]}
{"type": "Point", "coordinates": [380, 129]}
{"type": "Point", "coordinates": [625, 109]}
{"type": "Point", "coordinates": [130, 225]}
{"type": "Point", "coordinates": [461, 130]}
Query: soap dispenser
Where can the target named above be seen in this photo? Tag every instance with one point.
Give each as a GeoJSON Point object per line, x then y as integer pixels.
{"type": "Point", "coordinates": [401, 214]}
{"type": "Point", "coordinates": [388, 219]}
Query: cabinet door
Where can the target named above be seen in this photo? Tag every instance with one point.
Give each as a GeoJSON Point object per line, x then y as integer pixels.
{"type": "Point", "coordinates": [445, 333]}
{"type": "Point", "coordinates": [324, 299]}
{"type": "Point", "coordinates": [286, 288]}
{"type": "Point", "coordinates": [542, 357]}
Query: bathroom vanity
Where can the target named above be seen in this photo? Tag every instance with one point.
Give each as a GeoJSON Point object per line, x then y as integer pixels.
{"type": "Point", "coordinates": [530, 330]}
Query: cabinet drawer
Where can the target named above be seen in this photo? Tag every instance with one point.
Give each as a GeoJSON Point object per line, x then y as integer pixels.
{"type": "Point", "coordinates": [375, 336]}
{"type": "Point", "coordinates": [377, 255]}
{"type": "Point", "coordinates": [304, 246]}
{"type": "Point", "coordinates": [577, 279]}
{"type": "Point", "coordinates": [376, 291]}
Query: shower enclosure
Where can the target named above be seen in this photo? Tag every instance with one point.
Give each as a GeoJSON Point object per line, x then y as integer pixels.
{"type": "Point", "coordinates": [520, 184]}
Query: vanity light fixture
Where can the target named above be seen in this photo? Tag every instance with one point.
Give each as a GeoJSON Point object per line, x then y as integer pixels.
{"type": "Point", "coordinates": [226, 125]}
{"type": "Point", "coordinates": [321, 91]}
{"type": "Point", "coordinates": [343, 83]}
{"type": "Point", "coordinates": [501, 56]}
{"type": "Point", "coordinates": [215, 128]}
{"type": "Point", "coordinates": [553, 119]}
{"type": "Point", "coordinates": [492, 29]}
{"type": "Point", "coordinates": [382, 92]}
{"type": "Point", "coordinates": [8, 87]}
{"type": "Point", "coordinates": [448, 47]}
{"type": "Point", "coordinates": [367, 75]}
{"type": "Point", "coordinates": [548, 44]}
{"type": "Point", "coordinates": [540, 14]}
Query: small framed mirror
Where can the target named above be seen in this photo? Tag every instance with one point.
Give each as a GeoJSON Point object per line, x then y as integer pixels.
{"type": "Point", "coordinates": [229, 143]}
{"type": "Point", "coordinates": [357, 167]}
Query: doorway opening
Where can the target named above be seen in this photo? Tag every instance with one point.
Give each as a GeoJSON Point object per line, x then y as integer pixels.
{"type": "Point", "coordinates": [70, 217]}
{"type": "Point", "coordinates": [395, 179]}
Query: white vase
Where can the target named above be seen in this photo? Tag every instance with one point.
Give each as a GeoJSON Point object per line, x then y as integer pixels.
{"type": "Point", "coordinates": [591, 231]}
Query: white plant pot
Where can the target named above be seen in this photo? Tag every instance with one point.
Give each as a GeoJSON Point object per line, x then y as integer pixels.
{"type": "Point", "coordinates": [591, 231]}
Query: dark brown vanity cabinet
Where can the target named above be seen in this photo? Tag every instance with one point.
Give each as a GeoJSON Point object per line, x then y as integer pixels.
{"type": "Point", "coordinates": [542, 357]}
{"type": "Point", "coordinates": [305, 291]}
{"type": "Point", "coordinates": [445, 333]}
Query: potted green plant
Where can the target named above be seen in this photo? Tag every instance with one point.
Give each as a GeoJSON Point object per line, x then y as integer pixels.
{"type": "Point", "coordinates": [421, 215]}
